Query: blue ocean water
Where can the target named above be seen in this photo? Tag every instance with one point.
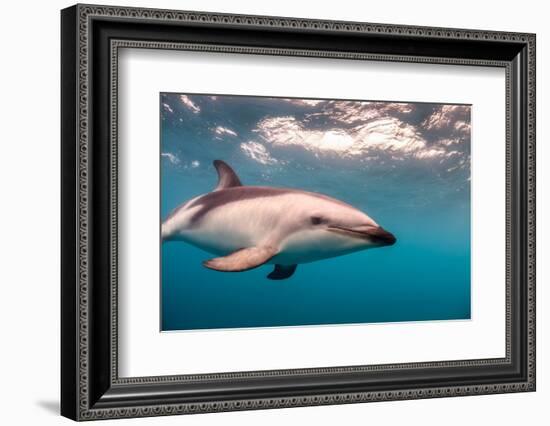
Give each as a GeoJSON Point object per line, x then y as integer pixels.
{"type": "Point", "coordinates": [422, 198]}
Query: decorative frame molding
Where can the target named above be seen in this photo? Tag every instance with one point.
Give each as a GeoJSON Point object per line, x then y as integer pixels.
{"type": "Point", "coordinates": [91, 388]}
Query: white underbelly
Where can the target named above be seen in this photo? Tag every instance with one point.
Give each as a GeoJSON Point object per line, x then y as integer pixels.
{"type": "Point", "coordinates": [220, 242]}
{"type": "Point", "coordinates": [227, 230]}
{"type": "Point", "coordinates": [311, 246]}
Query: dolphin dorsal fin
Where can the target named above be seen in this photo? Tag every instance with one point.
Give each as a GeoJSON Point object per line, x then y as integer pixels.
{"type": "Point", "coordinates": [227, 178]}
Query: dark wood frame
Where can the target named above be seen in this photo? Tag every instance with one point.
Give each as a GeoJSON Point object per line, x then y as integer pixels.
{"type": "Point", "coordinates": [91, 37]}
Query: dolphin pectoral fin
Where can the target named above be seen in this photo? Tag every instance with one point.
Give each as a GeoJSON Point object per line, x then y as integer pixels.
{"type": "Point", "coordinates": [241, 260]}
{"type": "Point", "coordinates": [227, 177]}
{"type": "Point", "coordinates": [282, 272]}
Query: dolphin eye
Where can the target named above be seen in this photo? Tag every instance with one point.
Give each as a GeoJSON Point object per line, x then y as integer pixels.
{"type": "Point", "coordinates": [316, 220]}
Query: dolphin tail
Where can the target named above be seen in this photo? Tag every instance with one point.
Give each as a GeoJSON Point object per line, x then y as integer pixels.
{"type": "Point", "coordinates": [165, 233]}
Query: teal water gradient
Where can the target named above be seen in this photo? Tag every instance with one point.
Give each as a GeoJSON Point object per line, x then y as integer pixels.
{"type": "Point", "coordinates": [424, 276]}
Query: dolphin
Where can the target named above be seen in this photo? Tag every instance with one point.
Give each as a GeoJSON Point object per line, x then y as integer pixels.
{"type": "Point", "coordinates": [249, 226]}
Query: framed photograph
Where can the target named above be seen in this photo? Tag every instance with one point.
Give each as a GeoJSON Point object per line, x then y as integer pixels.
{"type": "Point", "coordinates": [263, 212]}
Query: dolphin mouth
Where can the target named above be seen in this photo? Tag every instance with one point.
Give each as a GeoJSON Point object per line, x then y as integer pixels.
{"type": "Point", "coordinates": [375, 234]}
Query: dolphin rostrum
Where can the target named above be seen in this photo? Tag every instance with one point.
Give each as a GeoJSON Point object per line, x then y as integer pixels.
{"type": "Point", "coordinates": [248, 226]}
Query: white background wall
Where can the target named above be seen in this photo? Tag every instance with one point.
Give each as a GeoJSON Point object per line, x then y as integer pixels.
{"type": "Point", "coordinates": [29, 211]}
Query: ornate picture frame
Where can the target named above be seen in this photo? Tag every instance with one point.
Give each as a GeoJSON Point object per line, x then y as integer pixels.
{"type": "Point", "coordinates": [91, 38]}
